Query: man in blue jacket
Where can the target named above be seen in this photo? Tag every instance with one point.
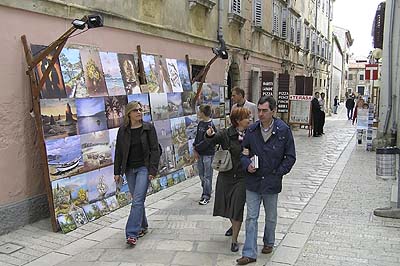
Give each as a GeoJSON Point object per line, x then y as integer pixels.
{"type": "Point", "coordinates": [270, 142]}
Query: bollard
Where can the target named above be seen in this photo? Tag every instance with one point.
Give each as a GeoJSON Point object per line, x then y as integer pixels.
{"type": "Point", "coordinates": [387, 168]}
{"type": "Point", "coordinates": [386, 162]}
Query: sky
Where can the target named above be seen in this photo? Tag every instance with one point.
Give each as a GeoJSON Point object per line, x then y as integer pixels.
{"type": "Point", "coordinates": [357, 16]}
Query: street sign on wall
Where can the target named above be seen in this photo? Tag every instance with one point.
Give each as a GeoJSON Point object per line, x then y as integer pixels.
{"type": "Point", "coordinates": [371, 71]}
{"type": "Point", "coordinates": [283, 93]}
{"type": "Point", "coordinates": [267, 83]}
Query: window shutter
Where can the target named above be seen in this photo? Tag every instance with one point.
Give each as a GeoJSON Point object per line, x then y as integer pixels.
{"type": "Point", "coordinates": [292, 27]}
{"type": "Point", "coordinates": [313, 42]}
{"type": "Point", "coordinates": [284, 32]}
{"type": "Point", "coordinates": [306, 38]}
{"type": "Point", "coordinates": [298, 32]}
{"type": "Point", "coordinates": [257, 13]}
{"type": "Point", "coordinates": [235, 6]}
{"type": "Point", "coordinates": [275, 17]}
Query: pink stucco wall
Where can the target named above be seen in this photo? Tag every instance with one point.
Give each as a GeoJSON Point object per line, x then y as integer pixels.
{"type": "Point", "coordinates": [20, 162]}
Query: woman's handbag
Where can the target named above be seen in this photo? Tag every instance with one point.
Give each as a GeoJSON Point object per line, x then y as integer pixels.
{"type": "Point", "coordinates": [222, 161]}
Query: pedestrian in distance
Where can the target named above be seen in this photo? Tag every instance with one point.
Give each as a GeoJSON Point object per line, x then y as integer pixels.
{"type": "Point", "coordinates": [137, 155]}
{"type": "Point", "coordinates": [239, 100]}
{"type": "Point", "coordinates": [268, 154]}
{"type": "Point", "coordinates": [204, 152]}
{"type": "Point", "coordinates": [322, 113]}
{"type": "Point", "coordinates": [316, 115]}
{"type": "Point", "coordinates": [335, 104]}
{"type": "Point", "coordinates": [230, 191]}
{"type": "Point", "coordinates": [350, 106]}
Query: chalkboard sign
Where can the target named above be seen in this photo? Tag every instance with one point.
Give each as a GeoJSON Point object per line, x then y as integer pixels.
{"type": "Point", "coordinates": [300, 109]}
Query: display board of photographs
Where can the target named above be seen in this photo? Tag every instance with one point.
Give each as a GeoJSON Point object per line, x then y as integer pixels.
{"type": "Point", "coordinates": [82, 106]}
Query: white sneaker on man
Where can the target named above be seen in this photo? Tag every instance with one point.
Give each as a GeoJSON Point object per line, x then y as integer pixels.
{"type": "Point", "coordinates": [204, 201]}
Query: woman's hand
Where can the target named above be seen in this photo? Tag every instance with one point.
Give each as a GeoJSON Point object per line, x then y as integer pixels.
{"type": "Point", "coordinates": [117, 179]}
{"type": "Point", "coordinates": [210, 131]}
{"type": "Point", "coordinates": [151, 177]}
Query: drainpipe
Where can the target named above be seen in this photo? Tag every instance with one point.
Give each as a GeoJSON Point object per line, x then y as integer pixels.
{"type": "Point", "coordinates": [221, 50]}
{"type": "Point", "coordinates": [389, 75]}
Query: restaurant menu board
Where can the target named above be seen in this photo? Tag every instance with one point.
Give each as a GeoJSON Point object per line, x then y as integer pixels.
{"type": "Point", "coordinates": [299, 109]}
{"type": "Point", "coordinates": [267, 83]}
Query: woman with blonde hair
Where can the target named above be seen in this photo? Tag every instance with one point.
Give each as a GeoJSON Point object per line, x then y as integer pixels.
{"type": "Point", "coordinates": [137, 156]}
{"type": "Point", "coordinates": [230, 191]}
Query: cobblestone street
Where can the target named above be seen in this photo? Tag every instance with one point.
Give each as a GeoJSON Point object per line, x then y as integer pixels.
{"type": "Point", "coordinates": [325, 218]}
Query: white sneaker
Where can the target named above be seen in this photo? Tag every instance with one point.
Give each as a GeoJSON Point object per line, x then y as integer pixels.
{"type": "Point", "coordinates": [204, 201]}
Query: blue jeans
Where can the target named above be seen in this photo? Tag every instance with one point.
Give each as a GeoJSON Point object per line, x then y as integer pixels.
{"type": "Point", "coordinates": [138, 182]}
{"type": "Point", "coordinates": [253, 202]}
{"type": "Point", "coordinates": [335, 109]}
{"type": "Point", "coordinates": [206, 174]}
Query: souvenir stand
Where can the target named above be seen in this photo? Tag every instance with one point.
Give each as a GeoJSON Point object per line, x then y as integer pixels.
{"type": "Point", "coordinates": [79, 94]}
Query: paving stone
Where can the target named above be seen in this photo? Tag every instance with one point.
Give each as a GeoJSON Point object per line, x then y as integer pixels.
{"type": "Point", "coordinates": [50, 259]}
{"type": "Point", "coordinates": [77, 247]}
{"type": "Point", "coordinates": [175, 245]}
{"type": "Point", "coordinates": [103, 234]}
{"type": "Point", "coordinates": [294, 240]}
{"type": "Point", "coordinates": [189, 258]}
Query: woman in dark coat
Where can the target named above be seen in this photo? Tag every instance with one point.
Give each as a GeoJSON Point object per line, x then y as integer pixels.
{"type": "Point", "coordinates": [230, 191]}
{"type": "Point", "coordinates": [137, 156]}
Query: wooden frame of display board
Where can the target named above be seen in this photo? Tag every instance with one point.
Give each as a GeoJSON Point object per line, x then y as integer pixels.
{"type": "Point", "coordinates": [300, 111]}
{"type": "Point", "coordinates": [36, 84]}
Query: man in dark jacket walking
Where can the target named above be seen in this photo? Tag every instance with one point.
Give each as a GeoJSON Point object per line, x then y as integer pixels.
{"type": "Point", "coordinates": [268, 154]}
{"type": "Point", "coordinates": [350, 106]}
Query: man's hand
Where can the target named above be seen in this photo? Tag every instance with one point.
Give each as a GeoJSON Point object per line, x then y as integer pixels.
{"type": "Point", "coordinates": [251, 169]}
{"type": "Point", "coordinates": [151, 177]}
{"type": "Point", "coordinates": [210, 131]}
{"type": "Point", "coordinates": [196, 155]}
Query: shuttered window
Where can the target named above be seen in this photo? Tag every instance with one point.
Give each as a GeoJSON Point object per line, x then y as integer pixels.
{"type": "Point", "coordinates": [313, 42]}
{"type": "Point", "coordinates": [236, 6]}
{"type": "Point", "coordinates": [284, 32]}
{"type": "Point", "coordinates": [292, 28]}
{"type": "Point", "coordinates": [298, 32]}
{"type": "Point", "coordinates": [257, 13]}
{"type": "Point", "coordinates": [276, 9]}
{"type": "Point", "coordinates": [306, 38]}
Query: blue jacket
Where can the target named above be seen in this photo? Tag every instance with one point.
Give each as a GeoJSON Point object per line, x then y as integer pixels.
{"type": "Point", "coordinates": [276, 157]}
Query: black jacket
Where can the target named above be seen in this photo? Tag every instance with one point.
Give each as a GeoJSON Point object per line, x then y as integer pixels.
{"type": "Point", "coordinates": [151, 152]}
{"type": "Point", "coordinates": [229, 139]}
{"type": "Point", "coordinates": [350, 103]}
{"type": "Point", "coordinates": [315, 108]}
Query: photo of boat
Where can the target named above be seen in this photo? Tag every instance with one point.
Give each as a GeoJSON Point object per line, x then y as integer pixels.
{"type": "Point", "coordinates": [61, 168]}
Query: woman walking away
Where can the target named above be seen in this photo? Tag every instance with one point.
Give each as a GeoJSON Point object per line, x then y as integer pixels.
{"type": "Point", "coordinates": [137, 156]}
{"type": "Point", "coordinates": [230, 191]}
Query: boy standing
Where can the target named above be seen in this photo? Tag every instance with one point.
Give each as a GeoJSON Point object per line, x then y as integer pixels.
{"type": "Point", "coordinates": [204, 152]}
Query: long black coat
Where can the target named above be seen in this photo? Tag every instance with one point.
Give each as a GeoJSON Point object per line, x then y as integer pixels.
{"type": "Point", "coordinates": [151, 152]}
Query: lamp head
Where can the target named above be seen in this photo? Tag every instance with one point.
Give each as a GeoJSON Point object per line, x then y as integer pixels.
{"type": "Point", "coordinates": [78, 24]}
{"type": "Point", "coordinates": [94, 21]}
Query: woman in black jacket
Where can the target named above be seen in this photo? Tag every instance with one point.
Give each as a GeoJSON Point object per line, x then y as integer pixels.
{"type": "Point", "coordinates": [137, 156]}
{"type": "Point", "coordinates": [230, 191]}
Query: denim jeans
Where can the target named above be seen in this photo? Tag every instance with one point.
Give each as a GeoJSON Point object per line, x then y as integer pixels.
{"type": "Point", "coordinates": [206, 174]}
{"type": "Point", "coordinates": [253, 202]}
{"type": "Point", "coordinates": [335, 109]}
{"type": "Point", "coordinates": [138, 182]}
{"type": "Point", "coordinates": [349, 113]}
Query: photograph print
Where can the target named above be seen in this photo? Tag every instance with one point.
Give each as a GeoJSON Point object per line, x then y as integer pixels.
{"type": "Point", "coordinates": [91, 114]}
{"type": "Point", "coordinates": [112, 134]}
{"type": "Point", "coordinates": [178, 128]}
{"type": "Point", "coordinates": [188, 104]}
{"type": "Point", "coordinates": [173, 72]}
{"type": "Point", "coordinates": [92, 211]}
{"type": "Point", "coordinates": [149, 64]}
{"type": "Point", "coordinates": [162, 74]}
{"type": "Point", "coordinates": [184, 75]}
{"type": "Point", "coordinates": [101, 184]}
{"type": "Point", "coordinates": [66, 223]}
{"type": "Point", "coordinates": [94, 76]}
{"type": "Point", "coordinates": [96, 150]}
{"type": "Point", "coordinates": [191, 123]}
{"type": "Point", "coordinates": [59, 118]}
{"type": "Point", "coordinates": [79, 216]}
{"type": "Point", "coordinates": [174, 104]}
{"type": "Point", "coordinates": [159, 106]}
{"type": "Point", "coordinates": [129, 73]}
{"type": "Point", "coordinates": [64, 157]}
{"type": "Point", "coordinates": [53, 88]}
{"type": "Point", "coordinates": [144, 101]}
{"type": "Point", "coordinates": [112, 73]}
{"type": "Point", "coordinates": [115, 110]}
{"type": "Point", "coordinates": [164, 134]}
{"type": "Point", "coordinates": [72, 72]}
